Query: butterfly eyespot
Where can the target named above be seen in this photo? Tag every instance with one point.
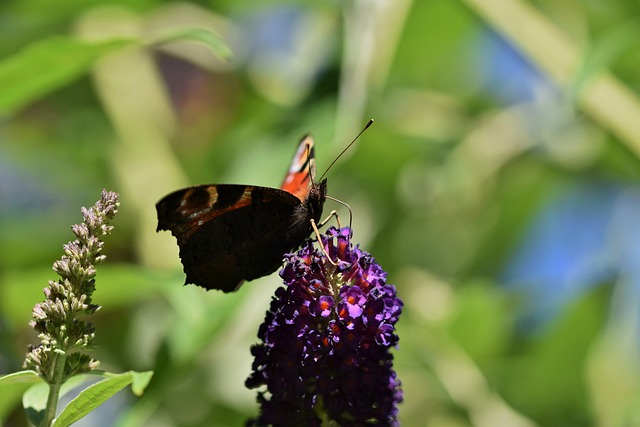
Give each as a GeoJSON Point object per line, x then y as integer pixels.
{"type": "Point", "coordinates": [195, 198]}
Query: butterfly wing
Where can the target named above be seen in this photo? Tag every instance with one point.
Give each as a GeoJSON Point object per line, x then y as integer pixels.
{"type": "Point", "coordinates": [302, 172]}
{"type": "Point", "coordinates": [229, 233]}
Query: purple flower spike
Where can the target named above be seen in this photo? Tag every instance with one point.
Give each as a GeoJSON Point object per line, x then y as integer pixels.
{"type": "Point", "coordinates": [325, 344]}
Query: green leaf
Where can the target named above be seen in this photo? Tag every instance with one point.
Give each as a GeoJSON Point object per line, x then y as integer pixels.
{"type": "Point", "coordinates": [140, 381]}
{"type": "Point", "coordinates": [13, 386]}
{"type": "Point", "coordinates": [35, 398]}
{"type": "Point", "coordinates": [34, 401]}
{"type": "Point", "coordinates": [53, 62]}
{"type": "Point", "coordinates": [211, 39]}
{"type": "Point", "coordinates": [94, 395]}
{"type": "Point", "coordinates": [21, 377]}
{"type": "Point", "coordinates": [47, 65]}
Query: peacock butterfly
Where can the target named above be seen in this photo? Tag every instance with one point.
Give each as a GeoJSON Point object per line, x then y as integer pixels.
{"type": "Point", "coordinates": [231, 233]}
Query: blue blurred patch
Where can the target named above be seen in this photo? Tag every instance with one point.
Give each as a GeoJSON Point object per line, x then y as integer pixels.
{"type": "Point", "coordinates": [509, 77]}
{"type": "Point", "coordinates": [22, 193]}
{"type": "Point", "coordinates": [584, 237]}
{"type": "Point", "coordinates": [273, 29]}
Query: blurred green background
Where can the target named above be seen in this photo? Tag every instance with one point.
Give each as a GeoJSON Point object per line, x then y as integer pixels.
{"type": "Point", "coordinates": [499, 187]}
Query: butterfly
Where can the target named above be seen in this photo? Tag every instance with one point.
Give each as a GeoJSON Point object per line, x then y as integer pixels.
{"type": "Point", "coordinates": [228, 234]}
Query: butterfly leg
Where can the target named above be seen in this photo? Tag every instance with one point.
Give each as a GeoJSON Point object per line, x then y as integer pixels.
{"type": "Point", "coordinates": [332, 214]}
{"type": "Point", "coordinates": [317, 232]}
{"type": "Point", "coordinates": [336, 215]}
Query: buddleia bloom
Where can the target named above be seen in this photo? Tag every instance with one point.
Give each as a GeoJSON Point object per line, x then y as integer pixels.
{"type": "Point", "coordinates": [59, 321]}
{"type": "Point", "coordinates": [325, 343]}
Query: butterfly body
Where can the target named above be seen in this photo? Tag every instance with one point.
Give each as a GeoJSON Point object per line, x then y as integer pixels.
{"type": "Point", "coordinates": [231, 233]}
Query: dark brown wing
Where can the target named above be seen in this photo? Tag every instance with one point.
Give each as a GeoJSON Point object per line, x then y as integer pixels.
{"type": "Point", "coordinates": [183, 211]}
{"type": "Point", "coordinates": [230, 233]}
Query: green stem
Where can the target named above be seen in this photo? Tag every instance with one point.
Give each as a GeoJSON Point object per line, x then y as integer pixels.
{"type": "Point", "coordinates": [54, 389]}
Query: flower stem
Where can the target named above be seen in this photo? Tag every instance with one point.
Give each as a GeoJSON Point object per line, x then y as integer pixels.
{"type": "Point", "coordinates": [54, 388]}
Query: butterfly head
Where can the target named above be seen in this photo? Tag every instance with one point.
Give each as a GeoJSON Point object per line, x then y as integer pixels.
{"type": "Point", "coordinates": [316, 198]}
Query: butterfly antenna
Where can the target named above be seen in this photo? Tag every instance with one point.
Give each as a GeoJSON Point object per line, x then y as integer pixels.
{"type": "Point", "coordinates": [369, 123]}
